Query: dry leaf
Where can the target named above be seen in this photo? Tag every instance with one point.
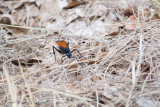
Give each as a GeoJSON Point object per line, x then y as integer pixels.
{"type": "Point", "coordinates": [128, 12]}
{"type": "Point", "coordinates": [5, 20]}
{"type": "Point", "coordinates": [71, 88]}
{"type": "Point", "coordinates": [112, 30]}
{"type": "Point", "coordinates": [130, 23]}
{"type": "Point", "coordinates": [144, 14]}
{"type": "Point", "coordinates": [27, 62]}
{"type": "Point", "coordinates": [155, 17]}
{"type": "Point", "coordinates": [73, 3]}
{"type": "Point", "coordinates": [10, 20]}
{"type": "Point", "coordinates": [20, 4]}
{"type": "Point", "coordinates": [48, 9]}
{"type": "Point", "coordinates": [3, 7]}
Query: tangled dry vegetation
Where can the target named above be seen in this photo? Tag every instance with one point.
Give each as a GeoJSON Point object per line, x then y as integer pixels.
{"type": "Point", "coordinates": [119, 41]}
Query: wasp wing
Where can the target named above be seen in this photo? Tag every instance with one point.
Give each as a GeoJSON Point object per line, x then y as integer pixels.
{"type": "Point", "coordinates": [63, 44]}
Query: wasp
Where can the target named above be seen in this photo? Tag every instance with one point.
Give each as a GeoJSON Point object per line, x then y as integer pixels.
{"type": "Point", "coordinates": [64, 49]}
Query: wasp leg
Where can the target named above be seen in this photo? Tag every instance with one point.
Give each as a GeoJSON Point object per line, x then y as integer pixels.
{"type": "Point", "coordinates": [63, 57]}
{"type": "Point", "coordinates": [75, 58]}
{"type": "Point", "coordinates": [77, 51]}
{"type": "Point", "coordinates": [54, 52]}
{"type": "Point", "coordinates": [66, 55]}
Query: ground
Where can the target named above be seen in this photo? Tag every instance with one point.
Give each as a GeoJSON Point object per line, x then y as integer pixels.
{"type": "Point", "coordinates": [119, 42]}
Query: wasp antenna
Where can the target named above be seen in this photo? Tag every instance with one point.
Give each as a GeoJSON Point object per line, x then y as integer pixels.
{"type": "Point", "coordinates": [54, 53]}
{"type": "Point", "coordinates": [68, 44]}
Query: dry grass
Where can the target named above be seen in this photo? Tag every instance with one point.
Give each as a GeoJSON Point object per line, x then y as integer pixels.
{"type": "Point", "coordinates": [115, 71]}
